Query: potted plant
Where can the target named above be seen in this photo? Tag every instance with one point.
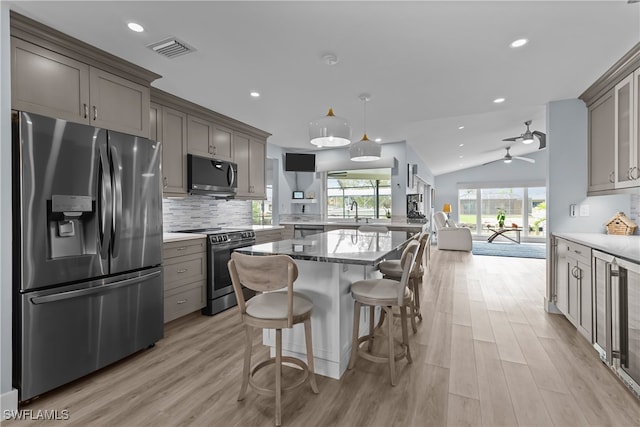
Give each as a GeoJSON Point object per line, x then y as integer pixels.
{"type": "Point", "coordinates": [502, 214]}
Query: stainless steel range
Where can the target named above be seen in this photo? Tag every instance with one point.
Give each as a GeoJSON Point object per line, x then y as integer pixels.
{"type": "Point", "coordinates": [220, 245]}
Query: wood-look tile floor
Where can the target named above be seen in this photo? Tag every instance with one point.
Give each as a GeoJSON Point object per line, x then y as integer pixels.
{"type": "Point", "coordinates": [486, 354]}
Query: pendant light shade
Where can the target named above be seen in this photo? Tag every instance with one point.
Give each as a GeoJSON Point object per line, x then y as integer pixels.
{"type": "Point", "coordinates": [330, 131]}
{"type": "Point", "coordinates": [365, 150]}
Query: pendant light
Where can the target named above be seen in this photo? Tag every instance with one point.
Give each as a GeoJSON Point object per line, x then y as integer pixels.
{"type": "Point", "coordinates": [365, 150]}
{"type": "Point", "coordinates": [330, 131]}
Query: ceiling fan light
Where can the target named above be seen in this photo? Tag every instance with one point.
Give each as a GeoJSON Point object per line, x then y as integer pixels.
{"type": "Point", "coordinates": [527, 137]}
{"type": "Point", "coordinates": [330, 131]}
{"type": "Point", "coordinates": [365, 150]}
{"type": "Point", "coordinates": [507, 160]}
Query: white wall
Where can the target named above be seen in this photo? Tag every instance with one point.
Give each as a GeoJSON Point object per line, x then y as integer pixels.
{"type": "Point", "coordinates": [8, 396]}
{"type": "Point", "coordinates": [567, 178]}
{"type": "Point", "coordinates": [516, 173]}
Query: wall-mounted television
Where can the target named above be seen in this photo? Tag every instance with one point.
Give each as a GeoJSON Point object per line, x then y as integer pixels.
{"type": "Point", "coordinates": [298, 162]}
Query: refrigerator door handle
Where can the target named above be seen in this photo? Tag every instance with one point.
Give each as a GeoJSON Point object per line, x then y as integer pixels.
{"type": "Point", "coordinates": [95, 290]}
{"type": "Point", "coordinates": [231, 175]}
{"type": "Point", "coordinates": [106, 203]}
{"type": "Point", "coordinates": [117, 201]}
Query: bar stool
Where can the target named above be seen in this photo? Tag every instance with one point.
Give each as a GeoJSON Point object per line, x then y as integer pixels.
{"type": "Point", "coordinates": [392, 269]}
{"type": "Point", "coordinates": [387, 294]}
{"type": "Point", "coordinates": [271, 310]}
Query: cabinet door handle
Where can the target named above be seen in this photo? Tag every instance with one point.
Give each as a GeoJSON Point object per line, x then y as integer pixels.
{"type": "Point", "coordinates": [165, 182]}
{"type": "Point", "coordinates": [182, 301]}
{"type": "Point", "coordinates": [634, 169]}
{"type": "Point", "coordinates": [95, 113]}
{"type": "Point", "coordinates": [86, 111]}
{"type": "Point", "coordinates": [612, 177]}
{"type": "Point", "coordinates": [183, 270]}
{"type": "Point", "coordinates": [577, 251]}
{"type": "Point", "coordinates": [181, 248]}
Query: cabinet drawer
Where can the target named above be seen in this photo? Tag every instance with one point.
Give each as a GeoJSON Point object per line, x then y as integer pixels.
{"type": "Point", "coordinates": [183, 247]}
{"type": "Point", "coordinates": [189, 299]}
{"type": "Point", "coordinates": [181, 270]}
{"type": "Point", "coordinates": [579, 252]}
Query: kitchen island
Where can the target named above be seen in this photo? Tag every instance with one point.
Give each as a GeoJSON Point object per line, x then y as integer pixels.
{"type": "Point", "coordinates": [327, 265]}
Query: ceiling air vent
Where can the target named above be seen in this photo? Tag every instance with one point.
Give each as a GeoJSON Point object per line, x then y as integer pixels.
{"type": "Point", "coordinates": [171, 47]}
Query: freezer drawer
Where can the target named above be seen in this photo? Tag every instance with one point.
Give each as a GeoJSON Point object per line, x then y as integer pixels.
{"type": "Point", "coordinates": [72, 331]}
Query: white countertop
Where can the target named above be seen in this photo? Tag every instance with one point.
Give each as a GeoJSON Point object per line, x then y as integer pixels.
{"type": "Point", "coordinates": [175, 237]}
{"type": "Point", "coordinates": [416, 225]}
{"type": "Point", "coordinates": [623, 246]}
{"type": "Point", "coordinates": [267, 227]}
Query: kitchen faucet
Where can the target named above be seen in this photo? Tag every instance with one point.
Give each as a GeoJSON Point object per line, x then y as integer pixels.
{"type": "Point", "coordinates": [356, 205]}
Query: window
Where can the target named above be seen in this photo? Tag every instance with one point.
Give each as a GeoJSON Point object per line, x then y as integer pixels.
{"type": "Point", "coordinates": [524, 207]}
{"type": "Point", "coordinates": [262, 210]}
{"type": "Point", "coordinates": [369, 188]}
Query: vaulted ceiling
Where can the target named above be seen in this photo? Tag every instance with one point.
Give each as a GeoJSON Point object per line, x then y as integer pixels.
{"type": "Point", "coordinates": [430, 66]}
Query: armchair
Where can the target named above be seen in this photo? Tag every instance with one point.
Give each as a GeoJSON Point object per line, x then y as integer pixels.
{"type": "Point", "coordinates": [450, 236]}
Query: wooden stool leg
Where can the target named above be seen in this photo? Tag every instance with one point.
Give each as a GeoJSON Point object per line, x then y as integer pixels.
{"type": "Point", "coordinates": [414, 327]}
{"type": "Point", "coordinates": [310, 362]}
{"type": "Point", "coordinates": [246, 370]}
{"type": "Point", "coordinates": [392, 357]}
{"type": "Point", "coordinates": [416, 295]}
{"type": "Point", "coordinates": [404, 312]}
{"type": "Point", "coordinates": [372, 316]}
{"type": "Point", "coordinates": [381, 320]}
{"type": "Point", "coordinates": [356, 331]}
{"type": "Point", "coordinates": [278, 377]}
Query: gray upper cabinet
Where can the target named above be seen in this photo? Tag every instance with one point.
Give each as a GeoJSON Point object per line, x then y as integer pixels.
{"type": "Point", "coordinates": [118, 103]}
{"type": "Point", "coordinates": [249, 154]}
{"type": "Point", "coordinates": [222, 142]}
{"type": "Point", "coordinates": [62, 93]}
{"type": "Point", "coordinates": [601, 144]}
{"type": "Point", "coordinates": [55, 75]}
{"type": "Point", "coordinates": [174, 152]}
{"type": "Point", "coordinates": [199, 136]}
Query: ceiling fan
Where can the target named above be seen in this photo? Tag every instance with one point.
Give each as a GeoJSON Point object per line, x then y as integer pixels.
{"type": "Point", "coordinates": [508, 158]}
{"type": "Point", "coordinates": [527, 136]}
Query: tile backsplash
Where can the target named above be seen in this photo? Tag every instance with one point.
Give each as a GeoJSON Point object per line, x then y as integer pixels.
{"type": "Point", "coordinates": [203, 212]}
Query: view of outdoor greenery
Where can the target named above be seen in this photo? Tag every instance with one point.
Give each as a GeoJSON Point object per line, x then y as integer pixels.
{"type": "Point", "coordinates": [372, 195]}
{"type": "Point", "coordinates": [479, 207]}
{"type": "Point", "coordinates": [261, 210]}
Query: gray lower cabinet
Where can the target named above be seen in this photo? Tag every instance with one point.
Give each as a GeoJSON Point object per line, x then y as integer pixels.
{"type": "Point", "coordinates": [48, 83]}
{"type": "Point", "coordinates": [266, 236]}
{"type": "Point", "coordinates": [185, 273]}
{"type": "Point", "coordinates": [573, 287]}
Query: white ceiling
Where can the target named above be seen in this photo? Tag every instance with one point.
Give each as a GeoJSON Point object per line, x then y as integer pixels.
{"type": "Point", "coordinates": [430, 66]}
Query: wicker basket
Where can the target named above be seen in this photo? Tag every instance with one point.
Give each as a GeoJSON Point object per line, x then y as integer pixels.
{"type": "Point", "coordinates": [620, 225]}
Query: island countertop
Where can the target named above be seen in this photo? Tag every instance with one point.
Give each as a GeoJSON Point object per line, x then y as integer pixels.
{"type": "Point", "coordinates": [337, 246]}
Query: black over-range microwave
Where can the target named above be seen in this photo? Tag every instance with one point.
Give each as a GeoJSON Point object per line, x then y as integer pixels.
{"type": "Point", "coordinates": [211, 177]}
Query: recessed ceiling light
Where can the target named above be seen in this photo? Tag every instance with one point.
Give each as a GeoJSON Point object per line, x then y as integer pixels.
{"type": "Point", "coordinates": [460, 127]}
{"type": "Point", "coordinates": [460, 157]}
{"type": "Point", "coordinates": [498, 100]}
{"type": "Point", "coordinates": [519, 43]}
{"type": "Point", "coordinates": [135, 27]}
{"type": "Point", "coordinates": [460, 145]}
{"type": "Point", "coordinates": [378, 139]}
{"type": "Point", "coordinates": [255, 94]}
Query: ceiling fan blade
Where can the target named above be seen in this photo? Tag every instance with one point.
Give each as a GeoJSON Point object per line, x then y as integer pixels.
{"type": "Point", "coordinates": [492, 161]}
{"type": "Point", "coordinates": [526, 159]}
{"type": "Point", "coordinates": [515, 138]}
{"type": "Point", "coordinates": [542, 137]}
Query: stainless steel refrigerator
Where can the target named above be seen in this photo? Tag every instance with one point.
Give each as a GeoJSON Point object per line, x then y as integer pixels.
{"type": "Point", "coordinates": [87, 232]}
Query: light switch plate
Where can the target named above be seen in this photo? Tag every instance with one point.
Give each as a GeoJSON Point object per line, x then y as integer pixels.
{"type": "Point", "coordinates": [584, 210]}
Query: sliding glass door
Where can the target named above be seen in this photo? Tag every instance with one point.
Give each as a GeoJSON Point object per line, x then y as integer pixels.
{"type": "Point", "coordinates": [524, 208]}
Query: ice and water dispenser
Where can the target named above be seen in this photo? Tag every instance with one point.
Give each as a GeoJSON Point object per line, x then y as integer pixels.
{"type": "Point", "coordinates": [70, 221]}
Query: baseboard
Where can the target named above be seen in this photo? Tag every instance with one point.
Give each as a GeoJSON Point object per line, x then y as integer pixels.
{"type": "Point", "coordinates": [9, 402]}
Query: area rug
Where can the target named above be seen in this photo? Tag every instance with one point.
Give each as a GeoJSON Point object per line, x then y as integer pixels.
{"type": "Point", "coordinates": [522, 250]}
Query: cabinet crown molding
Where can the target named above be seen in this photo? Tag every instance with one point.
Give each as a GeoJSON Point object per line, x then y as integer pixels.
{"type": "Point", "coordinates": [39, 34]}
{"type": "Point", "coordinates": [618, 71]}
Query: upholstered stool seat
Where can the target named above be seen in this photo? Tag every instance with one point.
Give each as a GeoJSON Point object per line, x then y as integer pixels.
{"type": "Point", "coordinates": [272, 309]}
{"type": "Point", "coordinates": [385, 293]}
